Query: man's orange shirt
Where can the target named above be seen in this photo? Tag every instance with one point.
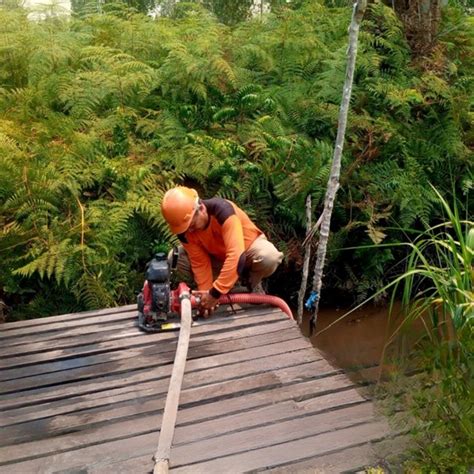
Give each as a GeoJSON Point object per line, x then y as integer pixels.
{"type": "Point", "coordinates": [229, 233]}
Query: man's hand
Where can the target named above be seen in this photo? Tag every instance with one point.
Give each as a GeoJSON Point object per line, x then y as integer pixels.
{"type": "Point", "coordinates": [208, 304]}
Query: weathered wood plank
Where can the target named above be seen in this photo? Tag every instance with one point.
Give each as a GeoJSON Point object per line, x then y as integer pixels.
{"type": "Point", "coordinates": [81, 460]}
{"type": "Point", "coordinates": [146, 360]}
{"type": "Point", "coordinates": [200, 346]}
{"type": "Point", "coordinates": [287, 409]}
{"type": "Point", "coordinates": [121, 334]}
{"type": "Point", "coordinates": [30, 323]}
{"type": "Point", "coordinates": [291, 451]}
{"type": "Point", "coordinates": [101, 331]}
{"type": "Point", "coordinates": [350, 459]}
{"type": "Point", "coordinates": [129, 332]}
{"type": "Point", "coordinates": [261, 416]}
{"type": "Point", "coordinates": [79, 336]}
{"type": "Point", "coordinates": [235, 396]}
{"type": "Point", "coordinates": [269, 435]}
{"type": "Point", "coordinates": [90, 397]}
{"type": "Point", "coordinates": [141, 340]}
{"type": "Point", "coordinates": [48, 330]}
{"type": "Point", "coordinates": [201, 372]}
{"type": "Point", "coordinates": [353, 459]}
{"type": "Point", "coordinates": [166, 351]}
{"type": "Point", "coordinates": [158, 387]}
{"type": "Point", "coordinates": [53, 324]}
{"type": "Point", "coordinates": [266, 436]}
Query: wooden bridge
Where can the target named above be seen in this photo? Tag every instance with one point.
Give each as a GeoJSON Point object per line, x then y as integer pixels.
{"type": "Point", "coordinates": [84, 393]}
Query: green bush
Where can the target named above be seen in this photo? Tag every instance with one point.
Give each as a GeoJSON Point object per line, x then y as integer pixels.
{"type": "Point", "coordinates": [435, 398]}
{"type": "Point", "coordinates": [101, 113]}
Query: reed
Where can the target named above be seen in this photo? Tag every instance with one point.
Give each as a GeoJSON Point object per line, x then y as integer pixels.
{"type": "Point", "coordinates": [437, 291]}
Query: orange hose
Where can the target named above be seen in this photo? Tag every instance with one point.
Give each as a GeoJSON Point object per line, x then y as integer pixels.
{"type": "Point", "coordinates": [255, 298]}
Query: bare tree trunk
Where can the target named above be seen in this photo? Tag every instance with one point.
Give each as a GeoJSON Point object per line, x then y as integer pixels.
{"type": "Point", "coordinates": [333, 182]}
{"type": "Point", "coordinates": [421, 19]}
{"type": "Point", "coordinates": [307, 256]}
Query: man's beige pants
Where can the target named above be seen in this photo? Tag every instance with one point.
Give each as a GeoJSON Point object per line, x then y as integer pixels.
{"type": "Point", "coordinates": [262, 259]}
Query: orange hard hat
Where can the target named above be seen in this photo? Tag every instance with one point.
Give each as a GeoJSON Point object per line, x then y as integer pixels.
{"type": "Point", "coordinates": [178, 207]}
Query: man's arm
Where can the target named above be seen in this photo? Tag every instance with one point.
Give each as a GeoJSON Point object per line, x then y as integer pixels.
{"type": "Point", "coordinates": [200, 265]}
{"type": "Point", "coordinates": [233, 236]}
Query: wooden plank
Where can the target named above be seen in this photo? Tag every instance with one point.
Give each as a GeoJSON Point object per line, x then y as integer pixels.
{"type": "Point", "coordinates": [278, 411]}
{"type": "Point", "coordinates": [30, 323]}
{"type": "Point", "coordinates": [226, 320]}
{"type": "Point", "coordinates": [135, 464]}
{"type": "Point", "coordinates": [99, 455]}
{"type": "Point", "coordinates": [200, 346]}
{"type": "Point", "coordinates": [80, 461]}
{"type": "Point", "coordinates": [47, 367]}
{"type": "Point", "coordinates": [269, 435]}
{"type": "Point", "coordinates": [132, 331]}
{"type": "Point", "coordinates": [101, 331]}
{"type": "Point", "coordinates": [65, 343]}
{"type": "Point", "coordinates": [157, 387]}
{"type": "Point", "coordinates": [353, 459]}
{"type": "Point", "coordinates": [121, 367]}
{"type": "Point", "coordinates": [60, 322]}
{"type": "Point", "coordinates": [237, 364]}
{"type": "Point", "coordinates": [209, 401]}
{"type": "Point", "coordinates": [44, 331]}
{"type": "Point", "coordinates": [262, 416]}
{"type": "Point", "coordinates": [141, 340]}
{"type": "Point", "coordinates": [290, 451]}
{"type": "Point", "coordinates": [232, 407]}
{"type": "Point", "coordinates": [350, 459]}
{"type": "Point", "coordinates": [200, 372]}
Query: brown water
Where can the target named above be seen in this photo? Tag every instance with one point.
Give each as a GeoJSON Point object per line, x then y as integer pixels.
{"type": "Point", "coordinates": [356, 341]}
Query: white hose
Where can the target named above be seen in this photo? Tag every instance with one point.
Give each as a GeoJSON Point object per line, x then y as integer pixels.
{"type": "Point", "coordinates": [162, 455]}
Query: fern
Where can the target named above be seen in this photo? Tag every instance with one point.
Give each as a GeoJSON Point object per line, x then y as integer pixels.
{"type": "Point", "coordinates": [119, 107]}
{"type": "Point", "coordinates": [52, 262]}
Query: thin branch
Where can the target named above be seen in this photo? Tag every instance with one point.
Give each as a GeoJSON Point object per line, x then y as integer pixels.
{"type": "Point", "coordinates": [307, 256]}
{"type": "Point", "coordinates": [333, 182]}
{"type": "Point", "coordinates": [310, 234]}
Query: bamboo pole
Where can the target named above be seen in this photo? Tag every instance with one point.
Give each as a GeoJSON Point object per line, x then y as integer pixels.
{"type": "Point", "coordinates": [333, 182]}
{"type": "Point", "coordinates": [162, 455]}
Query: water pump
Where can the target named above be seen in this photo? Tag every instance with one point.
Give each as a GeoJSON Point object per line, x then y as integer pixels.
{"type": "Point", "coordinates": [159, 307]}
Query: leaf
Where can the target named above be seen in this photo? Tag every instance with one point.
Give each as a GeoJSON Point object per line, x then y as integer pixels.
{"type": "Point", "coordinates": [375, 234]}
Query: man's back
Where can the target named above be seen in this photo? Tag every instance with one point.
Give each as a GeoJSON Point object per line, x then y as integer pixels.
{"type": "Point", "coordinates": [223, 212]}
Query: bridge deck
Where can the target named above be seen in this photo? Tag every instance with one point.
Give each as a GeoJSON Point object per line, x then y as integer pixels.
{"type": "Point", "coordinates": [85, 392]}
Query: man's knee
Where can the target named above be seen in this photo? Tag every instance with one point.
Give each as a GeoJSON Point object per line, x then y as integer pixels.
{"type": "Point", "coordinates": [266, 257]}
{"type": "Point", "coordinates": [271, 261]}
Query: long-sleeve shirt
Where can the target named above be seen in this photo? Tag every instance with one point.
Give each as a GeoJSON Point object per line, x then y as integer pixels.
{"type": "Point", "coordinates": [229, 233]}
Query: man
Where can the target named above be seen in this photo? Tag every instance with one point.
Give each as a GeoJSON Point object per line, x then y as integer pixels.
{"type": "Point", "coordinates": [221, 244]}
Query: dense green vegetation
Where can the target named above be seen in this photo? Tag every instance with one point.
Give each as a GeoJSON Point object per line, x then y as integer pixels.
{"type": "Point", "coordinates": [427, 363]}
{"type": "Point", "coordinates": [435, 400]}
{"type": "Point", "coordinates": [101, 113]}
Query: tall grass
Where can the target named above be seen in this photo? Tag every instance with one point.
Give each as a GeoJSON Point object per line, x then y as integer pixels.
{"type": "Point", "coordinates": [431, 393]}
{"type": "Point", "coordinates": [437, 292]}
